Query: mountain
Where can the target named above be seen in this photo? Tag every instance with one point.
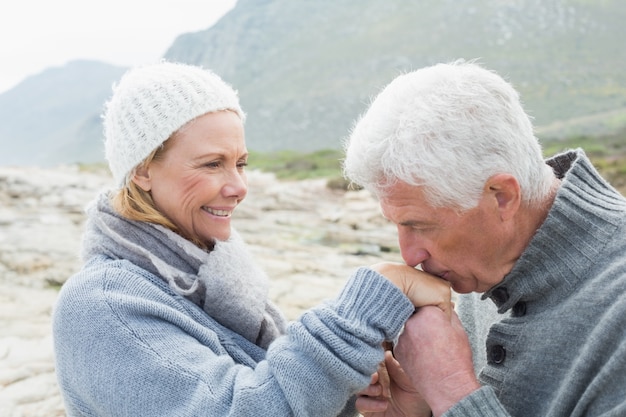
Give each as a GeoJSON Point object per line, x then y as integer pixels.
{"type": "Point", "coordinates": [53, 117]}
{"type": "Point", "coordinates": [306, 70]}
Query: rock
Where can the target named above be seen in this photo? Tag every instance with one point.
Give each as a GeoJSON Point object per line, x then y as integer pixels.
{"type": "Point", "coordinates": [307, 237]}
{"type": "Point", "coordinates": [27, 381]}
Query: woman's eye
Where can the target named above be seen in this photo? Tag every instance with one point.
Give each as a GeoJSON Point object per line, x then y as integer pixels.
{"type": "Point", "coordinates": [214, 164]}
{"type": "Point", "coordinates": [242, 165]}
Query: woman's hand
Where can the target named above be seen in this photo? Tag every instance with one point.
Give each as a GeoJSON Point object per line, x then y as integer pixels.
{"type": "Point", "coordinates": [421, 288]}
{"type": "Point", "coordinates": [391, 394]}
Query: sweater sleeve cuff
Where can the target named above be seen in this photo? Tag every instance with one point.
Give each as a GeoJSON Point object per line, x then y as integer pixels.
{"type": "Point", "coordinates": [481, 403]}
{"type": "Point", "coordinates": [370, 296]}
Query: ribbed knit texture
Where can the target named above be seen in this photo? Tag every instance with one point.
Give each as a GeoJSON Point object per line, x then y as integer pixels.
{"type": "Point", "coordinates": [127, 345]}
{"type": "Point", "coordinates": [559, 322]}
{"type": "Point", "coordinates": [152, 102]}
{"type": "Point", "coordinates": [225, 282]}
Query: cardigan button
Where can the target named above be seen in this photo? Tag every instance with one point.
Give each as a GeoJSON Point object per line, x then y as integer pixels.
{"type": "Point", "coordinates": [519, 309]}
{"type": "Point", "coordinates": [497, 353]}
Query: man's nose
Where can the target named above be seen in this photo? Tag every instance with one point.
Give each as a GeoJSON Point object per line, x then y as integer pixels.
{"type": "Point", "coordinates": [412, 248]}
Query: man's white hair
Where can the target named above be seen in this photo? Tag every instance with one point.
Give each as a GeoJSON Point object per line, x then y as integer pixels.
{"type": "Point", "coordinates": [448, 127]}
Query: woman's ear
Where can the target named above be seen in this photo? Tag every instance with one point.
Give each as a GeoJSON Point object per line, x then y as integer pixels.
{"type": "Point", "coordinates": [141, 177]}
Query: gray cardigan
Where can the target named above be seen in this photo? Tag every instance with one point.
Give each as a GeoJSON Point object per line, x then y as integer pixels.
{"type": "Point", "coordinates": [550, 340]}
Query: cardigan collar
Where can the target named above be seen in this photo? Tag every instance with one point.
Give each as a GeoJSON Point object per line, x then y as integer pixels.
{"type": "Point", "coordinates": [585, 213]}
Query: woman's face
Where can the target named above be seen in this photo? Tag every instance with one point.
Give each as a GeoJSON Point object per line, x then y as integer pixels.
{"type": "Point", "coordinates": [199, 179]}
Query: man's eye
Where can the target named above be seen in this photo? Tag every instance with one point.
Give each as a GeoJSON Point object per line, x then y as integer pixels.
{"type": "Point", "coordinates": [419, 228]}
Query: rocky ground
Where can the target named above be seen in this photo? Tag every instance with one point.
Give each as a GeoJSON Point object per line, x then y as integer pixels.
{"type": "Point", "coordinates": [308, 238]}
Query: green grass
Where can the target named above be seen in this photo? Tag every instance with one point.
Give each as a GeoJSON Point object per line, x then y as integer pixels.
{"type": "Point", "coordinates": [607, 153]}
{"type": "Point", "coordinates": [293, 165]}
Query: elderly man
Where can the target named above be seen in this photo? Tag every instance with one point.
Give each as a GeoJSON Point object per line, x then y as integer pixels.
{"type": "Point", "coordinates": [536, 250]}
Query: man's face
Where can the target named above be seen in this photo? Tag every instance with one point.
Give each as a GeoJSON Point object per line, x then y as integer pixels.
{"type": "Point", "coordinates": [468, 250]}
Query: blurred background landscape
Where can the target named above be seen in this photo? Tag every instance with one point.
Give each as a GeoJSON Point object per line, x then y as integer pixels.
{"type": "Point", "coordinates": [305, 71]}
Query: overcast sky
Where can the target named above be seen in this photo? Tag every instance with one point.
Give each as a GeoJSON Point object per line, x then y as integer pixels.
{"type": "Point", "coordinates": [38, 34]}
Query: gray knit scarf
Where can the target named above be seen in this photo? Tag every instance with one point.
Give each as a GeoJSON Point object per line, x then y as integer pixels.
{"type": "Point", "coordinates": [225, 282]}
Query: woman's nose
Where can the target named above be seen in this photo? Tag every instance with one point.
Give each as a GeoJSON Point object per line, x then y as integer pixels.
{"type": "Point", "coordinates": [236, 185]}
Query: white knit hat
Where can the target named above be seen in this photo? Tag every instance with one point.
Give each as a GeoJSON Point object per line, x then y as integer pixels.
{"type": "Point", "coordinates": [152, 102]}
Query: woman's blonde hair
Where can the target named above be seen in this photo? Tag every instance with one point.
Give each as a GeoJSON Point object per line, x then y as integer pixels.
{"type": "Point", "coordinates": [134, 203]}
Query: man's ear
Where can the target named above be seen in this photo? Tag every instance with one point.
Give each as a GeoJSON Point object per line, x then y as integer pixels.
{"type": "Point", "coordinates": [141, 177]}
{"type": "Point", "coordinates": [507, 193]}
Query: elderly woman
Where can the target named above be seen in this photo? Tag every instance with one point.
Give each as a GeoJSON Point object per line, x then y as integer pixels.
{"type": "Point", "coordinates": [169, 315]}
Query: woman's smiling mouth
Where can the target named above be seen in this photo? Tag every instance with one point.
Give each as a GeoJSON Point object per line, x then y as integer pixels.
{"type": "Point", "coordinates": [217, 212]}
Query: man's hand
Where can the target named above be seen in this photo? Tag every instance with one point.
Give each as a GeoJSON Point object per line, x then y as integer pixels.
{"type": "Point", "coordinates": [391, 393]}
{"type": "Point", "coordinates": [434, 352]}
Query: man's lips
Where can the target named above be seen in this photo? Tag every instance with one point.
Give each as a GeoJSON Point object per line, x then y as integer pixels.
{"type": "Point", "coordinates": [440, 274]}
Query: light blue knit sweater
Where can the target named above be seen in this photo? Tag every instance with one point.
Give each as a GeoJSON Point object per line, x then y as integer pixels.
{"type": "Point", "coordinates": [551, 339]}
{"type": "Point", "coordinates": [126, 345]}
